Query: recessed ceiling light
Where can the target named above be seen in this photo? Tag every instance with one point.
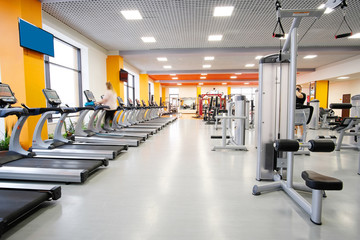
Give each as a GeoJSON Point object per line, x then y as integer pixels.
{"type": "Point", "coordinates": [201, 83]}
{"type": "Point", "coordinates": [246, 83]}
{"type": "Point", "coordinates": [249, 65]}
{"type": "Point", "coordinates": [207, 66]}
{"type": "Point", "coordinates": [223, 11]}
{"type": "Point", "coordinates": [233, 77]}
{"type": "Point", "coordinates": [162, 59]}
{"type": "Point", "coordinates": [345, 77]}
{"type": "Point", "coordinates": [224, 83]}
{"type": "Point", "coordinates": [167, 66]}
{"type": "Point", "coordinates": [357, 35]}
{"type": "Point", "coordinates": [258, 57]}
{"type": "Point", "coordinates": [179, 84]}
{"type": "Point", "coordinates": [175, 78]}
{"type": "Point", "coordinates": [215, 37]}
{"type": "Point", "coordinates": [131, 15]}
{"type": "Point", "coordinates": [172, 74]}
{"type": "Point", "coordinates": [203, 74]}
{"type": "Point", "coordinates": [310, 56]}
{"type": "Point", "coordinates": [202, 77]}
{"type": "Point", "coordinates": [209, 58]}
{"type": "Point", "coordinates": [148, 39]}
{"type": "Point", "coordinates": [238, 73]}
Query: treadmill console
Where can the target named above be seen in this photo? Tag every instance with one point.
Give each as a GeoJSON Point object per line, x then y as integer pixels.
{"type": "Point", "coordinates": [143, 103]}
{"type": "Point", "coordinates": [138, 103]}
{"type": "Point", "coordinates": [6, 95]}
{"type": "Point", "coordinates": [89, 96]}
{"type": "Point", "coordinates": [52, 97]}
{"type": "Point", "coordinates": [130, 102]}
{"type": "Point", "coordinates": [120, 101]}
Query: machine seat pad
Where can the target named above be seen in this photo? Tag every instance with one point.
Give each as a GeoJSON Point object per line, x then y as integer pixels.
{"type": "Point", "coordinates": [317, 181]}
{"type": "Point", "coordinates": [223, 111]}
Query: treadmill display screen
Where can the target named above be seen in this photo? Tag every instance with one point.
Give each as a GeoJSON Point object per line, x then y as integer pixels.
{"type": "Point", "coordinates": [52, 95]}
{"type": "Point", "coordinates": [5, 92]}
{"type": "Point", "coordinates": [120, 100]}
{"type": "Point", "coordinates": [89, 96]}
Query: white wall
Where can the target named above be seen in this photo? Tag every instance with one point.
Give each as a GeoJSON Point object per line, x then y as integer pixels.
{"type": "Point", "coordinates": [208, 89]}
{"type": "Point", "coordinates": [93, 57]}
{"type": "Point", "coordinates": [338, 88]}
{"type": "Point", "coordinates": [187, 91]}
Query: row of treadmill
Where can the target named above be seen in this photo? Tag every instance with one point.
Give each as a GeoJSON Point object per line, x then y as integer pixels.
{"type": "Point", "coordinates": [60, 159]}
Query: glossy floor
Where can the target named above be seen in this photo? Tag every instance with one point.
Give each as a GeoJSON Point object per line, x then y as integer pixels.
{"type": "Point", "coordinates": [174, 187]}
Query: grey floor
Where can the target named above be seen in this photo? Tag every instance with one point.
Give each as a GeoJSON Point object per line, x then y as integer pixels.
{"type": "Point", "coordinates": [174, 187]}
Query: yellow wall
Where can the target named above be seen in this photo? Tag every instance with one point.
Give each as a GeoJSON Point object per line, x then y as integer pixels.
{"type": "Point", "coordinates": [321, 92]}
{"type": "Point", "coordinates": [22, 69]}
{"type": "Point", "coordinates": [163, 94]}
{"type": "Point", "coordinates": [228, 90]}
{"type": "Point", "coordinates": [157, 92]}
{"type": "Point", "coordinates": [198, 92]}
{"type": "Point", "coordinates": [144, 87]}
{"type": "Point", "coordinates": [113, 66]}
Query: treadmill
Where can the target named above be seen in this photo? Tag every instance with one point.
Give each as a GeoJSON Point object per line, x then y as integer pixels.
{"type": "Point", "coordinates": [19, 164]}
{"type": "Point", "coordinates": [62, 147]}
{"type": "Point", "coordinates": [18, 200]}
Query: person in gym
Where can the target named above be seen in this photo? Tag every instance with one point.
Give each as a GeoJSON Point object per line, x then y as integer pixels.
{"type": "Point", "coordinates": [300, 100]}
{"type": "Point", "coordinates": [109, 99]}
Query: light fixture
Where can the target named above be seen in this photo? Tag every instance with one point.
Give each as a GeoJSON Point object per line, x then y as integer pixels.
{"type": "Point", "coordinates": [310, 56]}
{"type": "Point", "coordinates": [175, 78]}
{"type": "Point", "coordinates": [215, 37]}
{"type": "Point", "coordinates": [207, 66]}
{"type": "Point", "coordinates": [249, 65]}
{"type": "Point", "coordinates": [162, 59]}
{"type": "Point", "coordinates": [233, 77]}
{"type": "Point", "coordinates": [224, 83]}
{"type": "Point", "coordinates": [167, 66]}
{"type": "Point", "coordinates": [179, 84]}
{"type": "Point", "coordinates": [201, 83]}
{"type": "Point", "coordinates": [223, 11]}
{"type": "Point", "coordinates": [357, 35]}
{"type": "Point", "coordinates": [172, 74]}
{"type": "Point", "coordinates": [238, 73]}
{"type": "Point", "coordinates": [148, 39]}
{"type": "Point", "coordinates": [327, 10]}
{"type": "Point", "coordinates": [131, 14]}
{"type": "Point", "coordinates": [209, 58]}
{"type": "Point", "coordinates": [203, 74]}
{"type": "Point", "coordinates": [246, 83]}
{"type": "Point", "coordinates": [345, 77]}
{"type": "Point", "coordinates": [202, 77]}
{"type": "Point", "coordinates": [284, 37]}
{"type": "Point", "coordinates": [258, 57]}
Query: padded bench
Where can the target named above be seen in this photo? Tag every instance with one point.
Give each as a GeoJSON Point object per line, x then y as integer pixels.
{"type": "Point", "coordinates": [319, 183]}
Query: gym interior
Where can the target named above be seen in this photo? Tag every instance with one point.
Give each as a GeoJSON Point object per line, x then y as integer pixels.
{"type": "Point", "coordinates": [207, 139]}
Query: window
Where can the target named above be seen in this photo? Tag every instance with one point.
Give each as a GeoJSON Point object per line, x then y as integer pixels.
{"type": "Point", "coordinates": [63, 73]}
{"type": "Point", "coordinates": [129, 89]}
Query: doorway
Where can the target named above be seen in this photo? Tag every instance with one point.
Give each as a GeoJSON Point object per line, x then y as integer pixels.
{"type": "Point", "coordinates": [345, 99]}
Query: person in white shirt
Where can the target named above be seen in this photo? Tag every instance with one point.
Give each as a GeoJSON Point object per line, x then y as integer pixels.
{"type": "Point", "coordinates": [110, 100]}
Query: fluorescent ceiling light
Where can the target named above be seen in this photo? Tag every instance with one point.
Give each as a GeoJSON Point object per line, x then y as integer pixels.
{"type": "Point", "coordinates": [203, 74]}
{"type": "Point", "coordinates": [224, 83]}
{"type": "Point", "coordinates": [345, 77]}
{"type": "Point", "coordinates": [179, 84]}
{"type": "Point", "coordinates": [249, 65]}
{"type": "Point", "coordinates": [246, 83]}
{"type": "Point", "coordinates": [215, 37]}
{"type": "Point", "coordinates": [310, 56]}
{"type": "Point", "coordinates": [175, 78]}
{"type": "Point", "coordinates": [207, 66]}
{"type": "Point", "coordinates": [131, 14]}
{"type": "Point", "coordinates": [209, 58]}
{"type": "Point", "coordinates": [148, 39]}
{"type": "Point", "coordinates": [223, 11]}
{"type": "Point", "coordinates": [202, 77]}
{"type": "Point", "coordinates": [233, 77]}
{"type": "Point", "coordinates": [238, 73]}
{"type": "Point", "coordinates": [258, 57]}
{"type": "Point", "coordinates": [201, 83]}
{"type": "Point", "coordinates": [162, 59]}
{"type": "Point", "coordinates": [167, 66]}
{"type": "Point", "coordinates": [357, 35]}
{"type": "Point", "coordinates": [172, 74]}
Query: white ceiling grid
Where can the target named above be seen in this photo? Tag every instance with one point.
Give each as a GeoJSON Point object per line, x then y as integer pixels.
{"type": "Point", "coordinates": [188, 23]}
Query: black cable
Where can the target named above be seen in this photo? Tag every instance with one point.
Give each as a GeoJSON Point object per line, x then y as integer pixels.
{"type": "Point", "coordinates": [307, 30]}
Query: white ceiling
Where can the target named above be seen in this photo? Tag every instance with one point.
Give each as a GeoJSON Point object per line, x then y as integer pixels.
{"type": "Point", "coordinates": [181, 29]}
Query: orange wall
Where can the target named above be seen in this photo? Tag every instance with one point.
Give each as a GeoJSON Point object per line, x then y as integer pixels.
{"type": "Point", "coordinates": [22, 69]}
{"type": "Point", "coordinates": [113, 66]}
{"type": "Point", "coordinates": [144, 87]}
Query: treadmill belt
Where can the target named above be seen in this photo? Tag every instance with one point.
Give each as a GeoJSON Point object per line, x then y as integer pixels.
{"type": "Point", "coordinates": [15, 203]}
{"type": "Point", "coordinates": [89, 165]}
{"type": "Point", "coordinates": [116, 149]}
